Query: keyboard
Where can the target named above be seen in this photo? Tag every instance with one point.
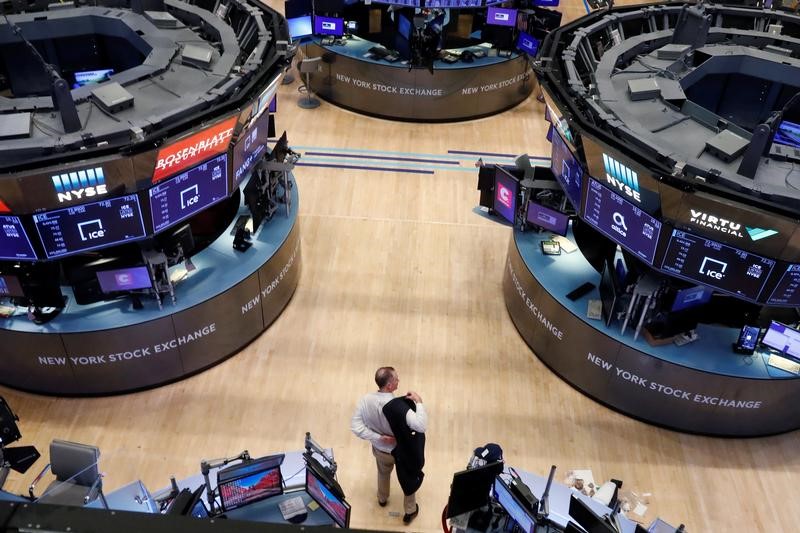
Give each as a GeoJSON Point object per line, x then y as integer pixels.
{"type": "Point", "coordinates": [784, 364]}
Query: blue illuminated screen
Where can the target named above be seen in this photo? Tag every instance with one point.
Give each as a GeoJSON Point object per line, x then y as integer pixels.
{"type": "Point", "coordinates": [180, 197]}
{"type": "Point", "coordinates": [14, 242]}
{"type": "Point", "coordinates": [514, 509]}
{"type": "Point", "coordinates": [691, 297]}
{"type": "Point", "coordinates": [90, 226]}
{"type": "Point", "coordinates": [499, 16]}
{"type": "Point", "coordinates": [528, 44]}
{"type": "Point", "coordinates": [567, 170]}
{"type": "Point", "coordinates": [788, 134]}
{"type": "Point", "coordinates": [547, 218]}
{"type": "Point", "coordinates": [505, 194]}
{"type": "Point", "coordinates": [328, 25]}
{"type": "Point", "coordinates": [88, 77]}
{"type": "Point", "coordinates": [124, 279]}
{"type": "Point", "coordinates": [250, 147]}
{"type": "Point", "coordinates": [300, 27]}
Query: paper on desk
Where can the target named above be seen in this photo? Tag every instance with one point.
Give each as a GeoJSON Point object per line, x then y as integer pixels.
{"type": "Point", "coordinates": [292, 507]}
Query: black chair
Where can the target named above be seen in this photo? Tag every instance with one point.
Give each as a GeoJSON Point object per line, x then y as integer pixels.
{"type": "Point", "coordinates": [78, 480]}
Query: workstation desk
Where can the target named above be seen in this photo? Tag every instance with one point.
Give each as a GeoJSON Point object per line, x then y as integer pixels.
{"type": "Point", "coordinates": [109, 347]}
{"type": "Point", "coordinates": [702, 387]}
{"type": "Point", "coordinates": [350, 78]}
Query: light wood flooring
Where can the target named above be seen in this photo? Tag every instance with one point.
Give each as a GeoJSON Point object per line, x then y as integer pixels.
{"type": "Point", "coordinates": [398, 270]}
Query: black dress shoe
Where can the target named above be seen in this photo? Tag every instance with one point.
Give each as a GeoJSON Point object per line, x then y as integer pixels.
{"type": "Point", "coordinates": [408, 517]}
{"type": "Point", "coordinates": [382, 503]}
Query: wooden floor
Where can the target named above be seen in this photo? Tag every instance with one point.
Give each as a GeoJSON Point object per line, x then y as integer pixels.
{"type": "Point", "coordinates": [398, 270]}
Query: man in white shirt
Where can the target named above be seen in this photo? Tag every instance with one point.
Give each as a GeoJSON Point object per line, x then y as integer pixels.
{"type": "Point", "coordinates": [369, 423]}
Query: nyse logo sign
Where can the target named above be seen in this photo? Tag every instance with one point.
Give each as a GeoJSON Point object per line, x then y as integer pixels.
{"type": "Point", "coordinates": [729, 227]}
{"type": "Point", "coordinates": [621, 178]}
{"type": "Point", "coordinates": [91, 229]}
{"type": "Point", "coordinates": [80, 184]}
{"type": "Point", "coordinates": [504, 195]}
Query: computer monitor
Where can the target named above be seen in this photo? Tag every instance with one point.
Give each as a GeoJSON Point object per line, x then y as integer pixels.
{"type": "Point", "coordinates": [88, 77]}
{"type": "Point", "coordinates": [506, 188]}
{"type": "Point", "coordinates": [124, 279]}
{"type": "Point", "coordinates": [323, 473]}
{"type": "Point", "coordinates": [250, 481]}
{"type": "Point", "coordinates": [300, 27]}
{"type": "Point", "coordinates": [788, 134]}
{"type": "Point", "coordinates": [498, 16]}
{"type": "Point", "coordinates": [528, 43]}
{"type": "Point", "coordinates": [546, 3]}
{"type": "Point", "coordinates": [470, 489]}
{"type": "Point", "coordinates": [351, 26]}
{"type": "Point", "coordinates": [333, 505]}
{"type": "Point", "coordinates": [515, 509]}
{"type": "Point", "coordinates": [404, 27]}
{"type": "Point", "coordinates": [547, 218]}
{"type": "Point", "coordinates": [280, 150]}
{"type": "Point", "coordinates": [10, 286]}
{"type": "Point", "coordinates": [581, 513]}
{"type": "Point", "coordinates": [691, 297]}
{"type": "Point", "coordinates": [783, 338]}
{"type": "Point", "coordinates": [328, 26]}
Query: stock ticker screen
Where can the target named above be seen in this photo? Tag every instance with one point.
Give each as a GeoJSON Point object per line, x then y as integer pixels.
{"type": "Point", "coordinates": [14, 242]}
{"type": "Point", "coordinates": [621, 221]}
{"type": "Point", "coordinates": [787, 292]}
{"type": "Point", "coordinates": [712, 263]}
{"type": "Point", "coordinates": [180, 197]}
{"type": "Point", "coordinates": [250, 147]}
{"type": "Point", "coordinates": [567, 169]}
{"type": "Point", "coordinates": [90, 226]}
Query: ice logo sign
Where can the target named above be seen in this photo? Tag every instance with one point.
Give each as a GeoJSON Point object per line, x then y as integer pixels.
{"type": "Point", "coordinates": [713, 268]}
{"type": "Point", "coordinates": [190, 196]}
{"type": "Point", "coordinates": [622, 178]}
{"type": "Point", "coordinates": [91, 229]}
{"type": "Point", "coordinates": [80, 184]}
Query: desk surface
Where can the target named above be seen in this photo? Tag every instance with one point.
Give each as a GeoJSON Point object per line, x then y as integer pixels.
{"type": "Point", "coordinates": [356, 47]}
{"type": "Point", "coordinates": [710, 353]}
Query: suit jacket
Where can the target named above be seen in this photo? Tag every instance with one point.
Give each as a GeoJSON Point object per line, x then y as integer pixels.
{"type": "Point", "coordinates": [409, 453]}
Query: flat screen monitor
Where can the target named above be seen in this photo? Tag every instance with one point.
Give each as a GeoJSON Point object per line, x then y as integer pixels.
{"type": "Point", "coordinates": [300, 27]}
{"type": "Point", "coordinates": [14, 242]}
{"type": "Point", "coordinates": [514, 508]}
{"type": "Point", "coordinates": [403, 26]}
{"type": "Point", "coordinates": [90, 226]}
{"type": "Point", "coordinates": [546, 3]}
{"type": "Point", "coordinates": [748, 339]}
{"type": "Point", "coordinates": [498, 16]}
{"type": "Point", "coordinates": [787, 291]}
{"type": "Point", "coordinates": [10, 286]}
{"type": "Point", "coordinates": [336, 507]}
{"type": "Point", "coordinates": [250, 482]}
{"type": "Point", "coordinates": [328, 26]}
{"type": "Point", "coordinates": [718, 265]}
{"type": "Point", "coordinates": [124, 279]}
{"type": "Point", "coordinates": [250, 147]}
{"type": "Point", "coordinates": [470, 489]}
{"type": "Point", "coordinates": [691, 297]}
{"type": "Point", "coordinates": [528, 43]}
{"type": "Point", "coordinates": [782, 338]}
{"type": "Point", "coordinates": [351, 26]}
{"type": "Point", "coordinates": [547, 218]}
{"type": "Point", "coordinates": [567, 170]}
{"type": "Point", "coordinates": [788, 134]}
{"type": "Point", "coordinates": [88, 77]}
{"type": "Point", "coordinates": [587, 518]}
{"type": "Point", "coordinates": [621, 221]}
{"type": "Point", "coordinates": [505, 194]}
{"type": "Point", "coordinates": [180, 197]}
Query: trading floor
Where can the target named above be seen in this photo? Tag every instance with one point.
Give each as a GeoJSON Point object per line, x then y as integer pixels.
{"type": "Point", "coordinates": [399, 269]}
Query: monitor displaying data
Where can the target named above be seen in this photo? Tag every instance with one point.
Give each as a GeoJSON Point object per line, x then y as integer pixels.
{"type": "Point", "coordinates": [512, 506]}
{"type": "Point", "coordinates": [178, 198]}
{"type": "Point", "coordinates": [251, 488]}
{"type": "Point", "coordinates": [567, 169]}
{"type": "Point", "coordinates": [10, 286]}
{"type": "Point", "coordinates": [14, 242]}
{"type": "Point", "coordinates": [499, 16]}
{"type": "Point", "coordinates": [788, 134]}
{"type": "Point", "coordinates": [782, 338]}
{"type": "Point", "coordinates": [89, 226]}
{"type": "Point", "coordinates": [691, 297]}
{"type": "Point", "coordinates": [251, 146]}
{"type": "Point", "coordinates": [505, 194]}
{"type": "Point", "coordinates": [547, 218]}
{"type": "Point", "coordinates": [712, 263]}
{"type": "Point", "coordinates": [124, 279]}
{"type": "Point", "coordinates": [328, 25]}
{"type": "Point", "coordinates": [621, 221]}
{"type": "Point", "coordinates": [787, 291]}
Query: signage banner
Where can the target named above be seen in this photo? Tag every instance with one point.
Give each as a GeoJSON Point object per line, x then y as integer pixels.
{"type": "Point", "coordinates": [192, 150]}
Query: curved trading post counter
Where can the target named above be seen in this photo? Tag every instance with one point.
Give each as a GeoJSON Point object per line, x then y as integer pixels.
{"type": "Point", "coordinates": [108, 348]}
{"type": "Point", "coordinates": [458, 91]}
{"type": "Point", "coordinates": [702, 387]}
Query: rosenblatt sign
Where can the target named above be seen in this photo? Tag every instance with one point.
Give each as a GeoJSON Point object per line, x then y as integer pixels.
{"type": "Point", "coordinates": [194, 149]}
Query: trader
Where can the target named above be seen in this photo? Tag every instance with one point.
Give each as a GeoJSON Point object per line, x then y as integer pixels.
{"type": "Point", "coordinates": [369, 423]}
